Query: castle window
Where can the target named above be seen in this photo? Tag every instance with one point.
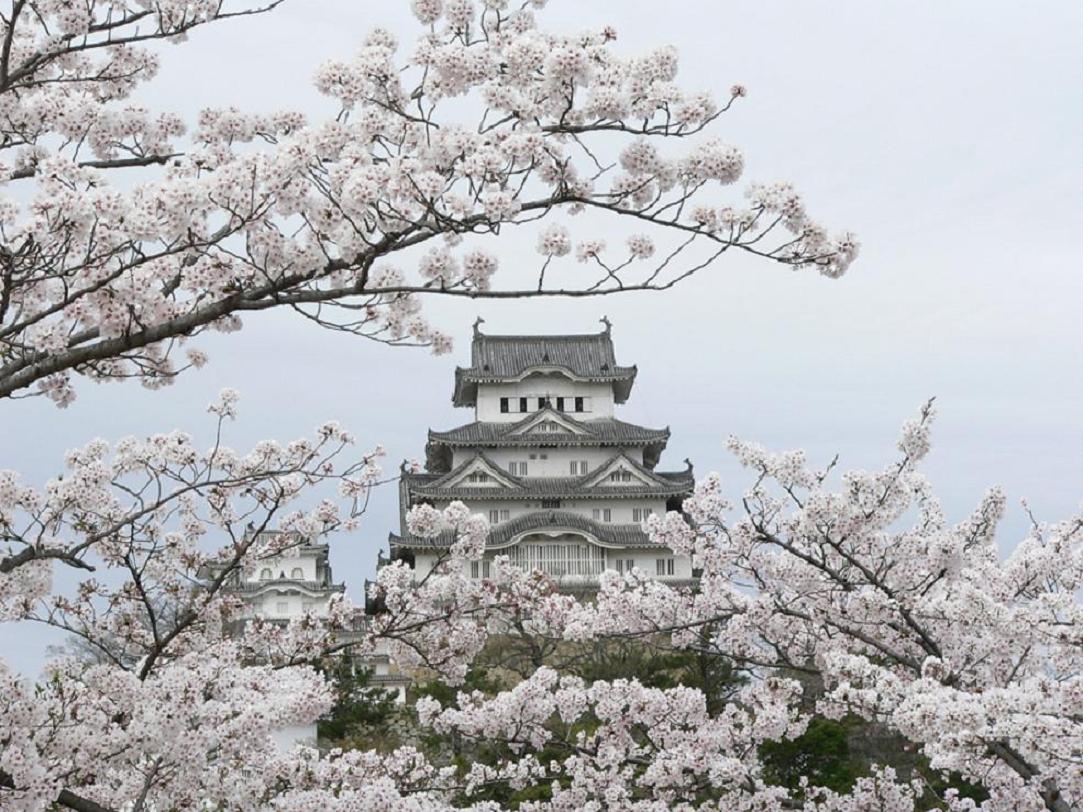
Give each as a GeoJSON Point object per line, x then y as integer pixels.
{"type": "Point", "coordinates": [282, 608]}
{"type": "Point", "coordinates": [663, 566]}
{"type": "Point", "coordinates": [560, 404]}
{"type": "Point", "coordinates": [518, 468]}
{"type": "Point", "coordinates": [478, 476]}
{"type": "Point", "coordinates": [641, 514]}
{"type": "Point", "coordinates": [624, 564]}
{"type": "Point", "coordinates": [605, 514]}
{"type": "Point", "coordinates": [543, 402]}
{"type": "Point", "coordinates": [494, 516]}
{"type": "Point", "coordinates": [504, 406]}
{"type": "Point", "coordinates": [579, 405]}
{"type": "Point", "coordinates": [558, 559]}
{"type": "Point", "coordinates": [297, 574]}
{"type": "Point", "coordinates": [479, 568]}
{"type": "Point", "coordinates": [550, 503]}
{"type": "Point", "coordinates": [522, 404]}
{"type": "Point", "coordinates": [265, 574]}
{"type": "Point", "coordinates": [575, 467]}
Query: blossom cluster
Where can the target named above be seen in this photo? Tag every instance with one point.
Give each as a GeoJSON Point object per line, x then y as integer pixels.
{"type": "Point", "coordinates": [908, 620]}
{"type": "Point", "coordinates": [117, 278]}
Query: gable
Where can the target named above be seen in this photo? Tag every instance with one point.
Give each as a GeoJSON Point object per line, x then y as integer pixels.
{"type": "Point", "coordinates": [620, 472]}
{"type": "Point", "coordinates": [548, 422]}
{"type": "Point", "coordinates": [479, 472]}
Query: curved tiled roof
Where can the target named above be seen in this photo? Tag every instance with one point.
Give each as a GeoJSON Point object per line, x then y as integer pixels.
{"type": "Point", "coordinates": [287, 585]}
{"type": "Point", "coordinates": [679, 484]}
{"type": "Point", "coordinates": [507, 357]}
{"type": "Point", "coordinates": [617, 535]}
{"type": "Point", "coordinates": [601, 431]}
{"type": "Point", "coordinates": [437, 486]}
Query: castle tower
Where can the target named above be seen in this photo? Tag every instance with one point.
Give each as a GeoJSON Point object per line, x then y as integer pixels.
{"type": "Point", "coordinates": [298, 581]}
{"type": "Point", "coordinates": [281, 587]}
{"type": "Point", "coordinates": [566, 485]}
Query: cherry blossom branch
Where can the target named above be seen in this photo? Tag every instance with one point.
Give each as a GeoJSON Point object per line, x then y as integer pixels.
{"type": "Point", "coordinates": [110, 284]}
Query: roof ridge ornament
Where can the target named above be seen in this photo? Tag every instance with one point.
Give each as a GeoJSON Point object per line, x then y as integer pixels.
{"type": "Point", "coordinates": [477, 326]}
{"type": "Point", "coordinates": [608, 324]}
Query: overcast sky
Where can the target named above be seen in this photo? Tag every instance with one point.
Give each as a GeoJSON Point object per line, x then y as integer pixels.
{"type": "Point", "coordinates": [946, 134]}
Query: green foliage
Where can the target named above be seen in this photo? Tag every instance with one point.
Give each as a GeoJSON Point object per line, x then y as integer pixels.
{"type": "Point", "coordinates": [507, 658]}
{"type": "Point", "coordinates": [835, 754]}
{"type": "Point", "coordinates": [832, 754]}
{"type": "Point", "coordinates": [660, 668]}
{"type": "Point", "coordinates": [363, 711]}
{"type": "Point", "coordinates": [937, 782]}
{"type": "Point", "coordinates": [821, 754]}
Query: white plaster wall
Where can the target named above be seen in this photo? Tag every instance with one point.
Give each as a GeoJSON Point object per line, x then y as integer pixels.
{"type": "Point", "coordinates": [268, 604]}
{"type": "Point", "coordinates": [286, 563]}
{"type": "Point", "coordinates": [644, 560]}
{"type": "Point", "coordinates": [557, 461]}
{"type": "Point", "coordinates": [423, 564]}
{"type": "Point", "coordinates": [599, 398]}
{"type": "Point", "coordinates": [287, 738]}
{"type": "Point", "coordinates": [620, 509]}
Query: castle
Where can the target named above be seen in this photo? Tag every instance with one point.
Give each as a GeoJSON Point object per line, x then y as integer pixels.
{"type": "Point", "coordinates": [565, 484]}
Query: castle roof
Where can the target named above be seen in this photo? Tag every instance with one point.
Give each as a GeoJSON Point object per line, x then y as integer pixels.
{"type": "Point", "coordinates": [535, 430]}
{"type": "Point", "coordinates": [550, 521]}
{"type": "Point", "coordinates": [456, 485]}
{"type": "Point", "coordinates": [504, 358]}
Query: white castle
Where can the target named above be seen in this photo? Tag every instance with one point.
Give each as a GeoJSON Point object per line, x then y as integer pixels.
{"type": "Point", "coordinates": [567, 487]}
{"type": "Point", "coordinates": [294, 582]}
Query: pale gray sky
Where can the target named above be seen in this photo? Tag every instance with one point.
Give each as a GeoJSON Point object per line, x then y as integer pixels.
{"type": "Point", "coordinates": [946, 134]}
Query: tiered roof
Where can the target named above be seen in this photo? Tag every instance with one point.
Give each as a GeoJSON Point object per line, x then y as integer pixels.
{"type": "Point", "coordinates": [503, 358]}
{"type": "Point", "coordinates": [529, 432]}
{"type": "Point", "coordinates": [453, 484]}
{"type": "Point", "coordinates": [323, 584]}
{"type": "Point", "coordinates": [508, 359]}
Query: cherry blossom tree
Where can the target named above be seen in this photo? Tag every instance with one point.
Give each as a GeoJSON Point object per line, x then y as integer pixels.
{"type": "Point", "coordinates": [126, 232]}
{"type": "Point", "coordinates": [124, 235]}
{"type": "Point", "coordinates": [909, 620]}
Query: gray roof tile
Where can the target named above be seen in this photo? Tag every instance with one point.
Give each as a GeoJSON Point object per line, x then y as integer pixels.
{"type": "Point", "coordinates": [664, 484]}
{"type": "Point", "coordinates": [602, 431]}
{"type": "Point", "coordinates": [506, 357]}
